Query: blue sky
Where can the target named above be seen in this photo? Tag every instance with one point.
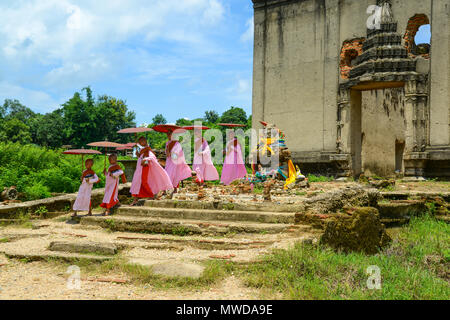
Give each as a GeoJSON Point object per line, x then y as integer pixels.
{"type": "Point", "coordinates": [423, 34]}
{"type": "Point", "coordinates": [175, 57]}
{"type": "Point", "coordinates": [178, 58]}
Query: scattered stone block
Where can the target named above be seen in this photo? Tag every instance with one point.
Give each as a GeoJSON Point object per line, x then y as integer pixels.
{"type": "Point", "coordinates": [84, 247]}
{"type": "Point", "coordinates": [382, 184]}
{"type": "Point", "coordinates": [361, 232]}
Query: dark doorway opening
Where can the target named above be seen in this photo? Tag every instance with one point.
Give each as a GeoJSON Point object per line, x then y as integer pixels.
{"type": "Point", "coordinates": [399, 151]}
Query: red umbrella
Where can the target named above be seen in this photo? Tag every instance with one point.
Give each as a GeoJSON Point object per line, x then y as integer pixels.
{"type": "Point", "coordinates": [165, 128]}
{"type": "Point", "coordinates": [82, 152]}
{"type": "Point", "coordinates": [232, 125]}
{"type": "Point", "coordinates": [196, 128]}
{"type": "Point", "coordinates": [105, 144]}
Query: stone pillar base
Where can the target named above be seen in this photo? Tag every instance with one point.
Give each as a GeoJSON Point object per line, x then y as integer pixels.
{"type": "Point", "coordinates": [415, 164]}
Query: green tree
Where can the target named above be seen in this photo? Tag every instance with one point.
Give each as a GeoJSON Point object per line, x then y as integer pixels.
{"type": "Point", "coordinates": [13, 109]}
{"type": "Point", "coordinates": [159, 119]}
{"type": "Point", "coordinates": [14, 130]}
{"type": "Point", "coordinates": [112, 114]}
{"type": "Point", "coordinates": [89, 120]}
{"type": "Point", "coordinates": [49, 129]}
{"type": "Point", "coordinates": [80, 121]}
{"type": "Point", "coordinates": [184, 122]}
{"type": "Point", "coordinates": [212, 116]}
{"type": "Point", "coordinates": [234, 115]}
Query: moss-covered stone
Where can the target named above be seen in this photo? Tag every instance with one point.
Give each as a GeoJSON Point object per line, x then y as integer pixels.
{"type": "Point", "coordinates": [360, 232]}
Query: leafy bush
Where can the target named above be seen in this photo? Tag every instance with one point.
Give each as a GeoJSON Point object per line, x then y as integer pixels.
{"type": "Point", "coordinates": [37, 172]}
{"type": "Point", "coordinates": [37, 191]}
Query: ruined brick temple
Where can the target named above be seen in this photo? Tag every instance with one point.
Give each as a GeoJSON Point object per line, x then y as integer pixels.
{"type": "Point", "coordinates": [350, 99]}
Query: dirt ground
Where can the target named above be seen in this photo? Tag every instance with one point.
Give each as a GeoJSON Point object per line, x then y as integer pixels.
{"type": "Point", "coordinates": [44, 281]}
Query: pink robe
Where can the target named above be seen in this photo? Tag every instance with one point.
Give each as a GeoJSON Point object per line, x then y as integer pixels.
{"type": "Point", "coordinates": [111, 197]}
{"type": "Point", "coordinates": [176, 166]}
{"type": "Point", "coordinates": [203, 163]}
{"type": "Point", "coordinates": [233, 166]}
{"type": "Point", "coordinates": [158, 180]}
{"type": "Point", "coordinates": [83, 201]}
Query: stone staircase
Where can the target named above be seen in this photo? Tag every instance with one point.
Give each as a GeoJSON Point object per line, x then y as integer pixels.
{"type": "Point", "coordinates": [194, 218]}
{"type": "Point", "coordinates": [164, 233]}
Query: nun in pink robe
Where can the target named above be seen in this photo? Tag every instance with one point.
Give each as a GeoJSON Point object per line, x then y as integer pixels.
{"type": "Point", "coordinates": [203, 162]}
{"type": "Point", "coordinates": [176, 166]}
{"type": "Point", "coordinates": [233, 166]}
{"type": "Point", "coordinates": [83, 201]}
{"type": "Point", "coordinates": [157, 178]}
{"type": "Point", "coordinates": [112, 175]}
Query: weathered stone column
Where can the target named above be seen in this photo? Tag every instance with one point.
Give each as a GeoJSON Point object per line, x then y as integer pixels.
{"type": "Point", "coordinates": [343, 142]}
{"type": "Point", "coordinates": [417, 120]}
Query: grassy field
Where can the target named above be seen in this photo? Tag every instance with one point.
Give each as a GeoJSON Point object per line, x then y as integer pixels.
{"type": "Point", "coordinates": [416, 266]}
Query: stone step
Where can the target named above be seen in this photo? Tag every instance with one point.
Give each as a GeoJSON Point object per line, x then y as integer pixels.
{"type": "Point", "coordinates": [84, 247]}
{"type": "Point", "coordinates": [405, 195]}
{"type": "Point", "coordinates": [197, 242]}
{"type": "Point", "coordinates": [202, 214]}
{"type": "Point", "coordinates": [402, 209]}
{"type": "Point", "coordinates": [224, 205]}
{"type": "Point", "coordinates": [61, 256]}
{"type": "Point", "coordinates": [186, 227]}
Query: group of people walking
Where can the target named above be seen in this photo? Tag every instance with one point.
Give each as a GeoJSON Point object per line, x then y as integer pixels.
{"type": "Point", "coordinates": [150, 178]}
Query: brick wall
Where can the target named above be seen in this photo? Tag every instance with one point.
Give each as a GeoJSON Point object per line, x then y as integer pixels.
{"type": "Point", "coordinates": [413, 26]}
{"type": "Point", "coordinates": [350, 50]}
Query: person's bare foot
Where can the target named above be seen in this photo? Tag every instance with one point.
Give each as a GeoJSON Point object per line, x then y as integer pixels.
{"type": "Point", "coordinates": [74, 215]}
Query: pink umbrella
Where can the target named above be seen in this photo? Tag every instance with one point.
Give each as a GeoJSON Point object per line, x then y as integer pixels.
{"type": "Point", "coordinates": [105, 144]}
{"type": "Point", "coordinates": [82, 152]}
{"type": "Point", "coordinates": [135, 130]}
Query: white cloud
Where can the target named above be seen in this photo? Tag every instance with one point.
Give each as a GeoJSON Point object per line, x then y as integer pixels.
{"type": "Point", "coordinates": [241, 92]}
{"type": "Point", "coordinates": [37, 100]}
{"type": "Point", "coordinates": [79, 39]}
{"type": "Point", "coordinates": [247, 36]}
